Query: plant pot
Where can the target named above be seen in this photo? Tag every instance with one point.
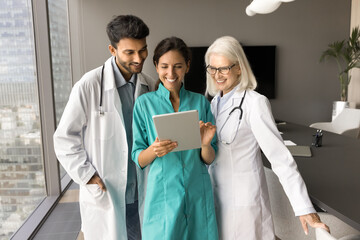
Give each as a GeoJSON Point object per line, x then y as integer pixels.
{"type": "Point", "coordinates": [338, 106]}
{"type": "Point", "coordinates": [344, 85]}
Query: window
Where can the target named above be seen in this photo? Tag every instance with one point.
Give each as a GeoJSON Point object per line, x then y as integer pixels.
{"type": "Point", "coordinates": [22, 178]}
{"type": "Point", "coordinates": [60, 57]}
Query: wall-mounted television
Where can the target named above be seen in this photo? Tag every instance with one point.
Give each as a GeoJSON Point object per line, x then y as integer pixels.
{"type": "Point", "coordinates": [262, 62]}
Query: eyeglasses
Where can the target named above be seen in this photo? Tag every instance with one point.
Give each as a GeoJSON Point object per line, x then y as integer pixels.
{"type": "Point", "coordinates": [223, 70]}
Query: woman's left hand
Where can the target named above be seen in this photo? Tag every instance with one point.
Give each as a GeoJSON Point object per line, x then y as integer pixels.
{"type": "Point", "coordinates": [207, 131]}
{"type": "Point", "coordinates": [314, 221]}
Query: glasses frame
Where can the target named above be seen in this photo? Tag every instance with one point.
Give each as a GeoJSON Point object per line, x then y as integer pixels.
{"type": "Point", "coordinates": [237, 128]}
{"type": "Point", "coordinates": [220, 69]}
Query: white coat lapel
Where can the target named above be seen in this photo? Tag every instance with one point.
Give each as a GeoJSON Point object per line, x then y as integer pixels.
{"type": "Point", "coordinates": [108, 78]}
{"type": "Point", "coordinates": [227, 105]}
{"type": "Point", "coordinates": [214, 105]}
{"type": "Point", "coordinates": [234, 101]}
{"type": "Point", "coordinates": [110, 94]}
{"type": "Point", "coordinates": [231, 103]}
{"type": "Point", "coordinates": [141, 86]}
{"type": "Point", "coordinates": [236, 98]}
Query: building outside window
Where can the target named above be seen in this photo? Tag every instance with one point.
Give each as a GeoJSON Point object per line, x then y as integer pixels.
{"type": "Point", "coordinates": [60, 57]}
{"type": "Point", "coordinates": [22, 181]}
{"type": "Point", "coordinates": [22, 178]}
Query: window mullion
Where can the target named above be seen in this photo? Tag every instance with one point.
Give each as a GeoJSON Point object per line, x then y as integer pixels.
{"type": "Point", "coordinates": [47, 111]}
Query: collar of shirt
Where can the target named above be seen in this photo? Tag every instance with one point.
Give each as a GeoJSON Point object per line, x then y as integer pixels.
{"type": "Point", "coordinates": [223, 100]}
{"type": "Point", "coordinates": [162, 91]}
{"type": "Point", "coordinates": [119, 79]}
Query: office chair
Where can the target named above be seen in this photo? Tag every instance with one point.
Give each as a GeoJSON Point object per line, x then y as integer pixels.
{"type": "Point", "coordinates": [321, 234]}
{"type": "Point", "coordinates": [346, 123]}
{"type": "Point", "coordinates": [287, 226]}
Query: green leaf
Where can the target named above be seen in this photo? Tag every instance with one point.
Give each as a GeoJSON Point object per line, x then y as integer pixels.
{"type": "Point", "coordinates": [347, 55]}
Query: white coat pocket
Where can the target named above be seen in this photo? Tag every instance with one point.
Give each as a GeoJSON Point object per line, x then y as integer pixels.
{"type": "Point", "coordinates": [92, 195]}
{"type": "Point", "coordinates": [94, 190]}
{"type": "Point", "coordinates": [246, 189]}
{"type": "Point", "coordinates": [102, 126]}
{"type": "Point", "coordinates": [94, 203]}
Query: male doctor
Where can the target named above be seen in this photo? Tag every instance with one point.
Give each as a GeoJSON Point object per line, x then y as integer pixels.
{"type": "Point", "coordinates": [94, 138]}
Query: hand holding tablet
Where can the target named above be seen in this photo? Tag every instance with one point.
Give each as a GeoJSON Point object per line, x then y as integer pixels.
{"type": "Point", "coordinates": [180, 127]}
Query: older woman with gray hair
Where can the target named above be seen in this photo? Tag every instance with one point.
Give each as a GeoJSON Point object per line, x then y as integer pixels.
{"type": "Point", "coordinates": [245, 126]}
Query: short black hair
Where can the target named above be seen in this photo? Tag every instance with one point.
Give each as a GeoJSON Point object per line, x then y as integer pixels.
{"type": "Point", "coordinates": [126, 26]}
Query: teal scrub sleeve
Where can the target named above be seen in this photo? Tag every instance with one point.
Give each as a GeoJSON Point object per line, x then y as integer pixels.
{"type": "Point", "coordinates": [210, 118]}
{"type": "Point", "coordinates": [140, 138]}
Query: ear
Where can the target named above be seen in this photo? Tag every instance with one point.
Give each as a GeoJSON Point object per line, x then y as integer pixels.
{"type": "Point", "coordinates": [112, 50]}
{"type": "Point", "coordinates": [239, 71]}
{"type": "Point", "coordinates": [188, 67]}
{"type": "Point", "coordinates": [157, 70]}
{"type": "Point", "coordinates": [156, 67]}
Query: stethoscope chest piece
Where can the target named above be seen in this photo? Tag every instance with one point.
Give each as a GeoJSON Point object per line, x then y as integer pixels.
{"type": "Point", "coordinates": [101, 111]}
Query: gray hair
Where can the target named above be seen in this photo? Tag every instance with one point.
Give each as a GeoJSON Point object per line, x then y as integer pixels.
{"type": "Point", "coordinates": [230, 48]}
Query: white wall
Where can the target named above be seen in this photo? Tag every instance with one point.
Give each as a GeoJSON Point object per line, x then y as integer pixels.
{"type": "Point", "coordinates": [301, 30]}
{"type": "Point", "coordinates": [354, 86]}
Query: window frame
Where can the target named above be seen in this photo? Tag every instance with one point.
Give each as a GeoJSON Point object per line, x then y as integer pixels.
{"type": "Point", "coordinates": [55, 186]}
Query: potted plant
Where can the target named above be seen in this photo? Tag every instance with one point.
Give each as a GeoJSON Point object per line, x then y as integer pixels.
{"type": "Point", "coordinates": [347, 56]}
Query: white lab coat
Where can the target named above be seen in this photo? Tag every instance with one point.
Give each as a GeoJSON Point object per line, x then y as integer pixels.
{"type": "Point", "coordinates": [86, 142]}
{"type": "Point", "coordinates": [239, 185]}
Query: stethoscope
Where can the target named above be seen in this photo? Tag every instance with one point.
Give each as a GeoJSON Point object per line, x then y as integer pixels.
{"type": "Point", "coordinates": [101, 111]}
{"type": "Point", "coordinates": [240, 117]}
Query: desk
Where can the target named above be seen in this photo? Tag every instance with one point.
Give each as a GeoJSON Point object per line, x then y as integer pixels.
{"type": "Point", "coordinates": [332, 174]}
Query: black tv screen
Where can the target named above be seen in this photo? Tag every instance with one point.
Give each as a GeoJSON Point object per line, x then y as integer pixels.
{"type": "Point", "coordinates": [262, 62]}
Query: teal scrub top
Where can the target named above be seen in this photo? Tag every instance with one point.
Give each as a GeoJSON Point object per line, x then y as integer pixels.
{"type": "Point", "coordinates": [179, 201]}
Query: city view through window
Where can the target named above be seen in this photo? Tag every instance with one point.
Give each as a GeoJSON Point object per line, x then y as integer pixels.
{"type": "Point", "coordinates": [60, 57]}
{"type": "Point", "coordinates": [22, 181]}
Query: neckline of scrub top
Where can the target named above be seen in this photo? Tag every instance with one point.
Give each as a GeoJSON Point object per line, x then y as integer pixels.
{"type": "Point", "coordinates": [162, 91]}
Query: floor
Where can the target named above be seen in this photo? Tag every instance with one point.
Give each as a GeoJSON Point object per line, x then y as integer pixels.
{"type": "Point", "coordinates": [64, 222]}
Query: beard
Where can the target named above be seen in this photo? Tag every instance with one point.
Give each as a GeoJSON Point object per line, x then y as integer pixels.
{"type": "Point", "coordinates": [131, 67]}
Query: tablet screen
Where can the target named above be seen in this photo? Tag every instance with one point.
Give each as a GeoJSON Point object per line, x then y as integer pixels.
{"type": "Point", "coordinates": [182, 127]}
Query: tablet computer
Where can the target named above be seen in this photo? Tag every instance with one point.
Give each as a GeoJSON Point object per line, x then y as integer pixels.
{"type": "Point", "coordinates": [182, 127]}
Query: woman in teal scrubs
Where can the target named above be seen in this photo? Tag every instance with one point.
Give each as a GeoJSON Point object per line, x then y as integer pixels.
{"type": "Point", "coordinates": [179, 200]}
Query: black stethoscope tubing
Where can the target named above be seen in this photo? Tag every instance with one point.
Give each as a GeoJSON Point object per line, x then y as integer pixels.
{"type": "Point", "coordinates": [239, 107]}
{"type": "Point", "coordinates": [101, 112]}
{"type": "Point", "coordinates": [240, 117]}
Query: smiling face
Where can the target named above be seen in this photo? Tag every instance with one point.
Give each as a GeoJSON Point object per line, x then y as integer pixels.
{"type": "Point", "coordinates": [130, 55]}
{"type": "Point", "coordinates": [172, 69]}
{"type": "Point", "coordinates": [224, 82]}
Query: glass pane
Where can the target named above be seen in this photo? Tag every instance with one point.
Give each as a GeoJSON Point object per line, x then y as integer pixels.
{"type": "Point", "coordinates": [60, 53]}
{"type": "Point", "coordinates": [22, 182]}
